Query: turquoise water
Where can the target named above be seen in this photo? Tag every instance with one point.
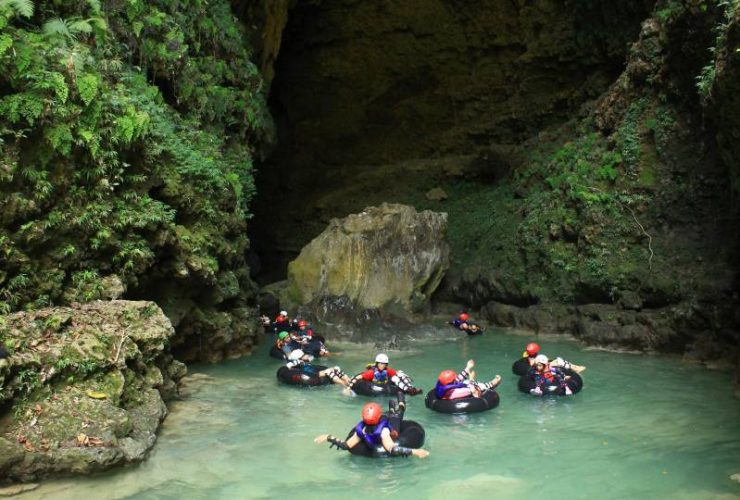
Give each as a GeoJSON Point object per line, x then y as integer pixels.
{"type": "Point", "coordinates": [643, 427]}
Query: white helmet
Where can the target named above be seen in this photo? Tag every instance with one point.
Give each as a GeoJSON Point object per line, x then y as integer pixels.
{"type": "Point", "coordinates": [283, 313]}
{"type": "Point", "coordinates": [295, 355]}
{"type": "Point", "coordinates": [541, 358]}
{"type": "Point", "coordinates": [381, 358]}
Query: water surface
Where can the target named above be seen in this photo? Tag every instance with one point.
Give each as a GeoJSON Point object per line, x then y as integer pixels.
{"type": "Point", "coordinates": [643, 427]}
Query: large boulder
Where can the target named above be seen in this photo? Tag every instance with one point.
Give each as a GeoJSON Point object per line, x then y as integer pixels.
{"type": "Point", "coordinates": [387, 259]}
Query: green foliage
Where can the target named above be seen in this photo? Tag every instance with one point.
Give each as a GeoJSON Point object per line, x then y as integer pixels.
{"type": "Point", "coordinates": [102, 169]}
{"type": "Point", "coordinates": [23, 8]}
{"type": "Point", "coordinates": [28, 380]}
{"type": "Point", "coordinates": [705, 79]}
{"type": "Point", "coordinates": [582, 170]}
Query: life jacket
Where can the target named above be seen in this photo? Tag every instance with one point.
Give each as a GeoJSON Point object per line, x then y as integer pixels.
{"type": "Point", "coordinates": [550, 377]}
{"type": "Point", "coordinates": [380, 377]}
{"type": "Point", "coordinates": [373, 439]}
{"type": "Point", "coordinates": [441, 389]}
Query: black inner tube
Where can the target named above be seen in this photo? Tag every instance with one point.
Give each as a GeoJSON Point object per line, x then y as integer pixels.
{"type": "Point", "coordinates": [487, 401]}
{"type": "Point", "coordinates": [304, 376]}
{"type": "Point", "coordinates": [411, 435]}
{"type": "Point", "coordinates": [365, 388]}
{"type": "Point", "coordinates": [526, 383]}
{"type": "Point", "coordinates": [521, 366]}
{"type": "Point", "coordinates": [277, 353]}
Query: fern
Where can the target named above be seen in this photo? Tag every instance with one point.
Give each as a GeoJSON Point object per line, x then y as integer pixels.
{"type": "Point", "coordinates": [95, 6]}
{"type": "Point", "coordinates": [20, 7]}
{"type": "Point", "coordinates": [57, 28]}
{"type": "Point", "coordinates": [69, 29]}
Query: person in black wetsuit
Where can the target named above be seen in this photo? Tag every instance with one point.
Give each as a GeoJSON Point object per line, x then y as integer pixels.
{"type": "Point", "coordinates": [462, 323]}
{"type": "Point", "coordinates": [281, 323]}
{"type": "Point", "coordinates": [298, 360]}
{"type": "Point", "coordinates": [377, 429]}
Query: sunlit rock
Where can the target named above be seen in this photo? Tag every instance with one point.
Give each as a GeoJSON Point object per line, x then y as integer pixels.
{"type": "Point", "coordinates": [385, 261]}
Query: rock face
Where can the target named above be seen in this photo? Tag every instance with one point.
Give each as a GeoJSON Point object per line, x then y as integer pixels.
{"type": "Point", "coordinates": [360, 85]}
{"type": "Point", "coordinates": [387, 259]}
{"type": "Point", "coordinates": [85, 386]}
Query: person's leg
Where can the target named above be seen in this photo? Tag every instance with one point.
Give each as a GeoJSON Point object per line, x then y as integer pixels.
{"type": "Point", "coordinates": [404, 383]}
{"type": "Point", "coordinates": [336, 375]}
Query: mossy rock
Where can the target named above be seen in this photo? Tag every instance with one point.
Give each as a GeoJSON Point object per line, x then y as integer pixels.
{"type": "Point", "coordinates": [389, 258]}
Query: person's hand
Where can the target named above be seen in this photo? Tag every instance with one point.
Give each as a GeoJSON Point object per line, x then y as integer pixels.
{"type": "Point", "coordinates": [470, 365]}
{"type": "Point", "coordinates": [567, 377]}
{"type": "Point", "coordinates": [420, 453]}
{"type": "Point", "coordinates": [321, 439]}
{"type": "Point", "coordinates": [496, 380]}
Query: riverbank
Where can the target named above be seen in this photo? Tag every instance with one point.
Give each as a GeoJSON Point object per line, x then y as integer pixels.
{"type": "Point", "coordinates": [84, 387]}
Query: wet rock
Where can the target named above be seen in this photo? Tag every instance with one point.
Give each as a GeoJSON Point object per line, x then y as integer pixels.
{"type": "Point", "coordinates": [10, 453]}
{"type": "Point", "coordinates": [735, 477]}
{"type": "Point", "coordinates": [478, 285]}
{"type": "Point", "coordinates": [269, 296]}
{"type": "Point", "coordinates": [501, 314]}
{"type": "Point", "coordinates": [17, 489]}
{"type": "Point", "coordinates": [630, 300]}
{"type": "Point", "coordinates": [388, 259]}
{"type": "Point", "coordinates": [113, 287]}
{"type": "Point", "coordinates": [93, 402]}
{"type": "Point", "coordinates": [436, 194]}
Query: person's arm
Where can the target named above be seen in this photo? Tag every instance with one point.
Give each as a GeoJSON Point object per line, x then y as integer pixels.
{"type": "Point", "coordinates": [399, 451]}
{"type": "Point", "coordinates": [294, 364]}
{"type": "Point", "coordinates": [341, 445]}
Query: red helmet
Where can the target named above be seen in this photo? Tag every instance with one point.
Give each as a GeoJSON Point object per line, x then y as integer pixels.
{"type": "Point", "coordinates": [371, 413]}
{"type": "Point", "coordinates": [464, 316]}
{"type": "Point", "coordinates": [447, 377]}
{"type": "Point", "coordinates": [532, 349]}
{"type": "Point", "coordinates": [302, 323]}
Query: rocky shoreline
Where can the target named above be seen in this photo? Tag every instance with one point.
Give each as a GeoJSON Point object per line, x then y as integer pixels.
{"type": "Point", "coordinates": [83, 388]}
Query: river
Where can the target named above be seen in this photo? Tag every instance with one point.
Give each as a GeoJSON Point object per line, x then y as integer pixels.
{"type": "Point", "coordinates": [643, 427]}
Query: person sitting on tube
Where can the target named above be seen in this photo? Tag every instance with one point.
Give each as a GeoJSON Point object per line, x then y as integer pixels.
{"type": "Point", "coordinates": [297, 359]}
{"type": "Point", "coordinates": [451, 385]}
{"type": "Point", "coordinates": [380, 373]}
{"type": "Point", "coordinates": [375, 429]}
{"type": "Point", "coordinates": [533, 349]}
{"type": "Point", "coordinates": [548, 378]}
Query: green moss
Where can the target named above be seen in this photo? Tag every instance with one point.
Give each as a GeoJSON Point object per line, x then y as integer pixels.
{"type": "Point", "coordinates": [97, 160]}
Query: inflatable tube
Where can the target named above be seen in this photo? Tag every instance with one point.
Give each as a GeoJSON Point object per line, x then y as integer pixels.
{"type": "Point", "coordinates": [302, 377]}
{"type": "Point", "coordinates": [575, 383]}
{"type": "Point", "coordinates": [487, 401]}
{"type": "Point", "coordinates": [479, 331]}
{"type": "Point", "coordinates": [365, 388]}
{"type": "Point", "coordinates": [277, 353]}
{"type": "Point", "coordinates": [521, 366]}
{"type": "Point", "coordinates": [411, 436]}
{"type": "Point", "coordinates": [313, 347]}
